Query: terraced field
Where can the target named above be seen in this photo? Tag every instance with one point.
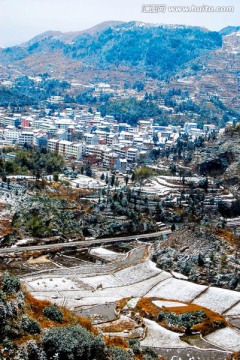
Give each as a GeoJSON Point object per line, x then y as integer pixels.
{"type": "Point", "coordinates": [133, 275]}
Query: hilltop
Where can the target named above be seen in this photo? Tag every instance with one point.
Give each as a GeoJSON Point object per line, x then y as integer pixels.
{"type": "Point", "coordinates": [200, 62]}
{"type": "Point", "coordinates": [70, 36]}
{"type": "Point", "coordinates": [155, 51]}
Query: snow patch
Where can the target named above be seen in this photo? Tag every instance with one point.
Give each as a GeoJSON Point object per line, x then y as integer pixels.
{"type": "Point", "coordinates": [102, 251]}
{"type": "Point", "coordinates": [51, 284]}
{"type": "Point", "coordinates": [235, 310]}
{"type": "Point", "coordinates": [161, 303]}
{"type": "Point", "coordinates": [132, 302]}
{"type": "Point", "coordinates": [178, 275]}
{"type": "Point", "coordinates": [227, 338]}
{"type": "Point", "coordinates": [136, 273]}
{"type": "Point", "coordinates": [158, 336]}
{"type": "Point", "coordinates": [175, 289]}
{"type": "Point", "coordinates": [106, 281]}
{"type": "Point", "coordinates": [20, 242]}
{"type": "Point", "coordinates": [217, 299]}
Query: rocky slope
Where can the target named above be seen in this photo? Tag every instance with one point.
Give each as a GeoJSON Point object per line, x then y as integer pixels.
{"type": "Point", "coordinates": [216, 73]}
{"type": "Point", "coordinates": [205, 255]}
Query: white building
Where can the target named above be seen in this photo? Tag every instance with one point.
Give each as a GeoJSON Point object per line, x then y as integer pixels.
{"type": "Point", "coordinates": [70, 149]}
{"type": "Point", "coordinates": [12, 135]}
{"type": "Point", "coordinates": [188, 126]}
{"type": "Point", "coordinates": [90, 139]}
{"type": "Point", "coordinates": [63, 123]}
{"type": "Point", "coordinates": [132, 154]}
{"type": "Point", "coordinates": [26, 137]}
{"type": "Point", "coordinates": [53, 145]}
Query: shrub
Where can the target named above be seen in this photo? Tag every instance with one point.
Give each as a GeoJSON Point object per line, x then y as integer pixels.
{"type": "Point", "coordinates": [11, 284]}
{"type": "Point", "coordinates": [52, 312]}
{"type": "Point", "coordinates": [135, 345]}
{"type": "Point", "coordinates": [98, 348]}
{"type": "Point", "coordinates": [12, 309]}
{"type": "Point", "coordinates": [34, 351]}
{"type": "Point", "coordinates": [3, 314]}
{"type": "Point", "coordinates": [31, 351]}
{"type": "Point", "coordinates": [2, 297]}
{"type": "Point", "coordinates": [71, 342]}
{"type": "Point", "coordinates": [30, 325]}
{"type": "Point", "coordinates": [149, 354]}
{"type": "Point", "coordinates": [117, 353]}
{"type": "Point", "coordinates": [187, 319]}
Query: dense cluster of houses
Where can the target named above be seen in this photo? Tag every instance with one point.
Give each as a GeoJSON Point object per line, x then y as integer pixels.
{"type": "Point", "coordinates": [99, 140]}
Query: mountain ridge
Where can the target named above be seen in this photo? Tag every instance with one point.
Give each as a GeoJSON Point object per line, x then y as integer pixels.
{"type": "Point", "coordinates": [126, 52]}
{"type": "Point", "coordinates": [71, 35]}
{"type": "Point", "coordinates": [150, 48]}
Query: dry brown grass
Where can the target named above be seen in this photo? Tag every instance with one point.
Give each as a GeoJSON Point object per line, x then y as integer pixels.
{"type": "Point", "coordinates": [34, 305]}
{"type": "Point", "coordinates": [39, 260]}
{"type": "Point", "coordinates": [146, 307]}
{"type": "Point", "coordinates": [228, 236]}
{"type": "Point", "coordinates": [122, 302]}
{"type": "Point", "coordinates": [5, 227]}
{"type": "Point", "coordinates": [212, 321]}
{"type": "Point", "coordinates": [116, 341]}
{"type": "Point", "coordinates": [68, 193]}
{"type": "Point", "coordinates": [234, 356]}
{"type": "Point", "coordinates": [34, 308]}
{"type": "Point", "coordinates": [118, 325]}
{"type": "Point", "coordinates": [26, 338]}
{"type": "Point", "coordinates": [86, 323]}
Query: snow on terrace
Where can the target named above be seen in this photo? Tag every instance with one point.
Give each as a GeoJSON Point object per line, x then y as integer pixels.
{"type": "Point", "coordinates": [158, 336]}
{"type": "Point", "coordinates": [81, 296]}
{"type": "Point", "coordinates": [136, 273]}
{"type": "Point", "coordinates": [86, 182]}
{"type": "Point", "coordinates": [75, 289]}
{"type": "Point", "coordinates": [165, 303]}
{"type": "Point", "coordinates": [134, 289]}
{"type": "Point", "coordinates": [175, 289]}
{"type": "Point", "coordinates": [91, 301]}
{"type": "Point", "coordinates": [51, 284]}
{"type": "Point", "coordinates": [227, 338]}
{"type": "Point", "coordinates": [105, 280]}
{"type": "Point", "coordinates": [235, 310]}
{"type": "Point", "coordinates": [160, 186]}
{"type": "Point", "coordinates": [106, 254]}
{"type": "Point", "coordinates": [217, 299]}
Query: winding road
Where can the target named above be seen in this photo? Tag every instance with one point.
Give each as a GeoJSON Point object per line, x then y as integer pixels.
{"type": "Point", "coordinates": [90, 242]}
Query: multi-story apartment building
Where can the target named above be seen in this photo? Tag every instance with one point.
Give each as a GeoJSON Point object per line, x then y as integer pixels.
{"type": "Point", "coordinates": [132, 154]}
{"type": "Point", "coordinates": [66, 148]}
{"type": "Point", "coordinates": [13, 121]}
{"type": "Point", "coordinates": [26, 137]}
{"type": "Point", "coordinates": [53, 145]}
{"type": "Point", "coordinates": [11, 135]}
{"type": "Point", "coordinates": [63, 123]}
{"type": "Point", "coordinates": [90, 139]}
{"type": "Point", "coordinates": [188, 126]}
